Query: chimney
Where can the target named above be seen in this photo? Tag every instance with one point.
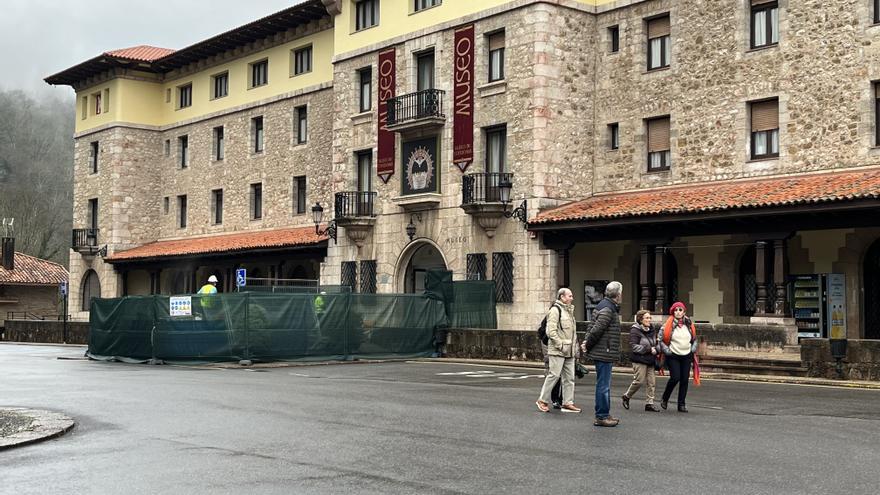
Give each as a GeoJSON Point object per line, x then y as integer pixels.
{"type": "Point", "coordinates": [7, 252]}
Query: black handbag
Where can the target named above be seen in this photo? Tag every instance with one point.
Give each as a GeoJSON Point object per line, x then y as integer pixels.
{"type": "Point", "coordinates": [580, 370]}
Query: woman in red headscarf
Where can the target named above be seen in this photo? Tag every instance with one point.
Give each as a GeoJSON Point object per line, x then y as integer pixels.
{"type": "Point", "coordinates": [678, 341]}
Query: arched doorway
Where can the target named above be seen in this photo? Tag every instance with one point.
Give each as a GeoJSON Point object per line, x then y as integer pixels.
{"type": "Point", "coordinates": [670, 281]}
{"type": "Point", "coordinates": [419, 257]}
{"type": "Point", "coordinates": [91, 287]}
{"type": "Point", "coordinates": [871, 276]}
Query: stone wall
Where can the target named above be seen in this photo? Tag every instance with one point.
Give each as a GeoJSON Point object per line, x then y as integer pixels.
{"type": "Point", "coordinates": [862, 361]}
{"type": "Point", "coordinates": [40, 301]}
{"type": "Point", "coordinates": [48, 332]}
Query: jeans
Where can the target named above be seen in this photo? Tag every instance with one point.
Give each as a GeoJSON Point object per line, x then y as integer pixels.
{"type": "Point", "coordinates": [603, 389]}
{"type": "Point", "coordinates": [679, 373]}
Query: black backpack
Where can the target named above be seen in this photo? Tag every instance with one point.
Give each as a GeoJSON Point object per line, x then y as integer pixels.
{"type": "Point", "coordinates": [542, 328]}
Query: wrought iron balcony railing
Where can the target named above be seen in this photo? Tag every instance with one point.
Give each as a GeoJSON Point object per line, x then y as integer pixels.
{"type": "Point", "coordinates": [351, 204]}
{"type": "Point", "coordinates": [85, 240]}
{"type": "Point", "coordinates": [483, 187]}
{"type": "Point", "coordinates": [411, 107]}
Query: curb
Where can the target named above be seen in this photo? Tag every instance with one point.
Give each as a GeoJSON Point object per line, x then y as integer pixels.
{"type": "Point", "coordinates": [42, 344]}
{"type": "Point", "coordinates": [790, 380]}
{"type": "Point", "coordinates": [47, 425]}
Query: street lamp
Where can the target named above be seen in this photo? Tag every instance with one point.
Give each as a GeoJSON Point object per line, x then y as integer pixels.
{"type": "Point", "coordinates": [411, 228]}
{"type": "Point", "coordinates": [317, 216]}
{"type": "Point", "coordinates": [520, 212]}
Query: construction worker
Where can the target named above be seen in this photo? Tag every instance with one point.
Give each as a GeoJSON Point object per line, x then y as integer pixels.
{"type": "Point", "coordinates": [210, 287]}
{"type": "Point", "coordinates": [207, 303]}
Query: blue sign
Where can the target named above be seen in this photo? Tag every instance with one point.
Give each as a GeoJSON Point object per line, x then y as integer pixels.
{"type": "Point", "coordinates": [240, 277]}
{"type": "Point", "coordinates": [63, 288]}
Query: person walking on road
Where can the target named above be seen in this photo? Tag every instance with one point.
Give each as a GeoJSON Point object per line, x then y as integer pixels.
{"type": "Point", "coordinates": [643, 344]}
{"type": "Point", "coordinates": [561, 343]}
{"type": "Point", "coordinates": [678, 341]}
{"type": "Point", "coordinates": [602, 345]}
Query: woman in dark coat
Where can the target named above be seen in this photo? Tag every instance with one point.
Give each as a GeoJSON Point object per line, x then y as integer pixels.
{"type": "Point", "coordinates": [643, 353]}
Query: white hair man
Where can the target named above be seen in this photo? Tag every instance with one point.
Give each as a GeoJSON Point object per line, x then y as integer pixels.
{"type": "Point", "coordinates": [561, 348]}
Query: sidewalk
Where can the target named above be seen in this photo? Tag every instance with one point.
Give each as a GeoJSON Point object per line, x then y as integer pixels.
{"type": "Point", "coordinates": [705, 375]}
{"type": "Point", "coordinates": [20, 426]}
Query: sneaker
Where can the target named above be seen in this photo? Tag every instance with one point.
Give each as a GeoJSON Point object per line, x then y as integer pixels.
{"type": "Point", "coordinates": [542, 406]}
{"type": "Point", "coordinates": [625, 400]}
{"type": "Point", "coordinates": [571, 408]}
{"type": "Point", "coordinates": [605, 422]}
{"type": "Point", "coordinates": [557, 405]}
{"type": "Point", "coordinates": [651, 407]}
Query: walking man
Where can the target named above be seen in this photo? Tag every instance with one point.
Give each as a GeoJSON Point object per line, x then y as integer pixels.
{"type": "Point", "coordinates": [210, 287]}
{"type": "Point", "coordinates": [561, 342]}
{"type": "Point", "coordinates": [602, 345]}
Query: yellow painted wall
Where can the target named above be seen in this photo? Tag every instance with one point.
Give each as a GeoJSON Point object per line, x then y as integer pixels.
{"type": "Point", "coordinates": [593, 261]}
{"type": "Point", "coordinates": [143, 102]}
{"type": "Point", "coordinates": [706, 296]}
{"type": "Point", "coordinates": [823, 247]}
{"type": "Point", "coordinates": [396, 18]}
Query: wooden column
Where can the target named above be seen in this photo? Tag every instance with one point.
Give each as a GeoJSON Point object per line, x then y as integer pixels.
{"type": "Point", "coordinates": [645, 278]}
{"type": "Point", "coordinates": [563, 268]}
{"type": "Point", "coordinates": [124, 283]}
{"type": "Point", "coordinates": [761, 278]}
{"type": "Point", "coordinates": [779, 275]}
{"type": "Point", "coordinates": [660, 302]}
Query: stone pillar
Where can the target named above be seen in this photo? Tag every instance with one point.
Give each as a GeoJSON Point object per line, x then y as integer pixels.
{"type": "Point", "coordinates": [660, 302]}
{"type": "Point", "coordinates": [761, 278]}
{"type": "Point", "coordinates": [779, 275]}
{"type": "Point", "coordinates": [563, 268]}
{"type": "Point", "coordinates": [645, 278]}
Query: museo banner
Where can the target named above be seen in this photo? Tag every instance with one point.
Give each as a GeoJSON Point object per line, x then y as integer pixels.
{"type": "Point", "coordinates": [463, 117]}
{"type": "Point", "coordinates": [385, 138]}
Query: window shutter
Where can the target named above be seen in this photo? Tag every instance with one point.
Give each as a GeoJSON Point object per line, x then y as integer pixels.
{"type": "Point", "coordinates": [658, 134]}
{"type": "Point", "coordinates": [658, 27]}
{"type": "Point", "coordinates": [496, 41]}
{"type": "Point", "coordinates": [759, 2]}
{"type": "Point", "coordinates": [765, 115]}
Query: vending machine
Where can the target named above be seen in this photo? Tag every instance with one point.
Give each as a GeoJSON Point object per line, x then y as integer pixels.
{"type": "Point", "coordinates": [818, 304]}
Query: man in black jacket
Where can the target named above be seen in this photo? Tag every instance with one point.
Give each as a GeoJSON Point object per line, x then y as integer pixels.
{"type": "Point", "coordinates": [602, 345]}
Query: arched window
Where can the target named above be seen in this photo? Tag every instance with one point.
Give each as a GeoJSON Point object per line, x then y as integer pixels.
{"type": "Point", "coordinates": [872, 291]}
{"type": "Point", "coordinates": [91, 287]}
{"type": "Point", "coordinates": [748, 292]}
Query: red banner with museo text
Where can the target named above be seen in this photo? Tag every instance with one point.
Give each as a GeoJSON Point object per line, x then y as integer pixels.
{"type": "Point", "coordinates": [385, 138]}
{"type": "Point", "coordinates": [463, 99]}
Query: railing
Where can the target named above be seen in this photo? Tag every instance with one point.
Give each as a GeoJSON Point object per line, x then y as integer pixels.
{"type": "Point", "coordinates": [483, 187]}
{"type": "Point", "coordinates": [355, 204]}
{"type": "Point", "coordinates": [415, 106]}
{"type": "Point", "coordinates": [85, 239]}
{"type": "Point", "coordinates": [24, 315]}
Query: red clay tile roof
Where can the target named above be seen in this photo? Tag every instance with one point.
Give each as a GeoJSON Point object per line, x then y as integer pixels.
{"type": "Point", "coordinates": [720, 196]}
{"type": "Point", "coordinates": [221, 244]}
{"type": "Point", "coordinates": [143, 53]}
{"type": "Point", "coordinates": [32, 271]}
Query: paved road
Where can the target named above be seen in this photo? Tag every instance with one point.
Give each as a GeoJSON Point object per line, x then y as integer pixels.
{"type": "Point", "coordinates": [419, 428]}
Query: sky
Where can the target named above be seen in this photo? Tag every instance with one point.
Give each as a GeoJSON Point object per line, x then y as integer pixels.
{"type": "Point", "coordinates": [39, 38]}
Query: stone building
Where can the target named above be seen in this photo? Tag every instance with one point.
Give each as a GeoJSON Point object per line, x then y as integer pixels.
{"type": "Point", "coordinates": [29, 286]}
{"type": "Point", "coordinates": [722, 153]}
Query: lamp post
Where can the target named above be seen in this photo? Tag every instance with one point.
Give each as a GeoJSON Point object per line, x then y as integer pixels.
{"type": "Point", "coordinates": [520, 212]}
{"type": "Point", "coordinates": [317, 217]}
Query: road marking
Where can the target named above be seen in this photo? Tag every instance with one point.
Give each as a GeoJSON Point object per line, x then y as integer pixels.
{"type": "Point", "coordinates": [490, 374]}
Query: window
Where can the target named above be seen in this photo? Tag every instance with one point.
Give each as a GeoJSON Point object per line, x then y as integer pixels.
{"type": "Point", "coordinates": [106, 100]}
{"type": "Point", "coordinates": [348, 277]}
{"type": "Point", "coordinates": [877, 113]}
{"type": "Point", "coordinates": [259, 73]}
{"type": "Point", "coordinates": [167, 147]}
{"type": "Point", "coordinates": [365, 95]}
{"type": "Point", "coordinates": [502, 274]}
{"type": "Point", "coordinates": [219, 143]}
{"type": "Point", "coordinates": [496, 149]}
{"type": "Point", "coordinates": [221, 85]}
{"type": "Point", "coordinates": [181, 211]}
{"type": "Point", "coordinates": [91, 287]}
{"type": "Point", "coordinates": [496, 56]}
{"type": "Point", "coordinates": [658, 144]}
{"type": "Point", "coordinates": [424, 4]}
{"type": "Point", "coordinates": [168, 95]}
{"type": "Point", "coordinates": [93, 214]}
{"type": "Point", "coordinates": [425, 71]}
{"type": "Point", "coordinates": [366, 14]}
{"type": "Point", "coordinates": [765, 129]}
{"type": "Point", "coordinates": [302, 125]}
{"type": "Point", "coordinates": [217, 206]}
{"type": "Point", "coordinates": [85, 107]}
{"type": "Point", "coordinates": [184, 96]}
{"type": "Point", "coordinates": [365, 171]}
{"type": "Point", "coordinates": [476, 266]}
{"type": "Point", "coordinates": [614, 136]}
{"type": "Point", "coordinates": [368, 277]}
{"type": "Point", "coordinates": [97, 98]}
{"type": "Point", "coordinates": [302, 61]}
{"type": "Point", "coordinates": [299, 195]}
{"type": "Point", "coordinates": [165, 205]}
{"type": "Point", "coordinates": [614, 38]}
{"type": "Point", "coordinates": [765, 23]}
{"type": "Point", "coordinates": [256, 201]}
{"type": "Point", "coordinates": [659, 49]}
{"type": "Point", "coordinates": [93, 157]}
{"type": "Point", "coordinates": [183, 151]}
{"type": "Point", "coordinates": [257, 134]}
{"type": "Point", "coordinates": [876, 11]}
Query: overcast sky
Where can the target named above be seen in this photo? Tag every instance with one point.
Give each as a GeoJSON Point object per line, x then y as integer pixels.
{"type": "Point", "coordinates": [39, 38]}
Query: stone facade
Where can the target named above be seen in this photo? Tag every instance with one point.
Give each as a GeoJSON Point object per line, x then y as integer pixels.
{"type": "Point", "coordinates": [39, 301]}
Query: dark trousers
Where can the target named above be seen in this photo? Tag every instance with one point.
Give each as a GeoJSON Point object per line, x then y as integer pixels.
{"type": "Point", "coordinates": [679, 373]}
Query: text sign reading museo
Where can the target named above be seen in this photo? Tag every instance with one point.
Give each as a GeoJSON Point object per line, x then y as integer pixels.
{"type": "Point", "coordinates": [180, 306]}
{"type": "Point", "coordinates": [241, 277]}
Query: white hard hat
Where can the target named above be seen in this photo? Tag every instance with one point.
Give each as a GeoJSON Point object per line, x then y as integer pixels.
{"type": "Point", "coordinates": [212, 279]}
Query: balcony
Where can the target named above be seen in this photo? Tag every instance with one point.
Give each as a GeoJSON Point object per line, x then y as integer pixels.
{"type": "Point", "coordinates": [85, 241]}
{"type": "Point", "coordinates": [416, 110]}
{"type": "Point", "coordinates": [481, 197]}
{"type": "Point", "coordinates": [355, 210]}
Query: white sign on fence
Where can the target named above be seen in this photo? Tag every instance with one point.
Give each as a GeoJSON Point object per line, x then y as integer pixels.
{"type": "Point", "coordinates": [181, 306]}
